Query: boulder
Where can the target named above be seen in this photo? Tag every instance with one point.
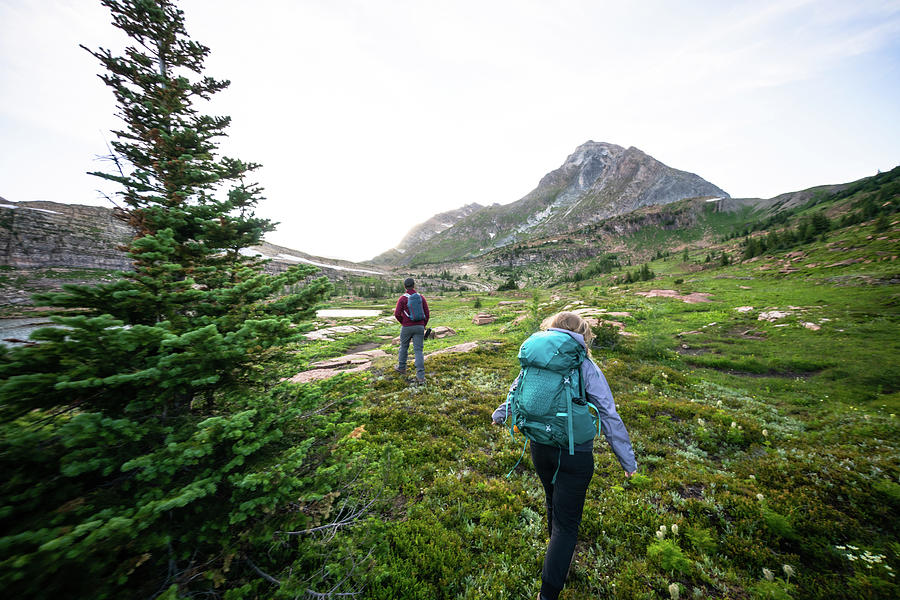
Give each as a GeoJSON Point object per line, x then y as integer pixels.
{"type": "Point", "coordinates": [773, 315]}
{"type": "Point", "coordinates": [460, 348]}
{"type": "Point", "coordinates": [483, 319]}
{"type": "Point", "coordinates": [692, 298]}
{"type": "Point", "coordinates": [325, 369]}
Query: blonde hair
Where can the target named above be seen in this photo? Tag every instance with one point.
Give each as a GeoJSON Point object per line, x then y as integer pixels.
{"type": "Point", "coordinates": [572, 322]}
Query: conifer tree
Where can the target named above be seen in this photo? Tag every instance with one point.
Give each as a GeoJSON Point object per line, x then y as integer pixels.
{"type": "Point", "coordinates": [133, 448]}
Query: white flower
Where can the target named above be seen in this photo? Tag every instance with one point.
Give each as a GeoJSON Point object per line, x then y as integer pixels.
{"type": "Point", "coordinates": [788, 570]}
{"type": "Point", "coordinates": [661, 534]}
{"type": "Point", "coordinates": [765, 432]}
{"type": "Point", "coordinates": [701, 422]}
{"type": "Point", "coordinates": [674, 591]}
{"type": "Point", "coordinates": [769, 575]}
{"type": "Point", "coordinates": [674, 529]}
{"type": "Point", "coordinates": [662, 528]}
{"type": "Point", "coordinates": [753, 477]}
{"type": "Point", "coordinates": [719, 403]}
{"type": "Point", "coordinates": [760, 497]}
{"type": "Point", "coordinates": [733, 424]}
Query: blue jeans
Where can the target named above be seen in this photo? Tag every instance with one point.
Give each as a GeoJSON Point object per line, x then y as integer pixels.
{"type": "Point", "coordinates": [416, 333]}
{"type": "Point", "coordinates": [565, 503]}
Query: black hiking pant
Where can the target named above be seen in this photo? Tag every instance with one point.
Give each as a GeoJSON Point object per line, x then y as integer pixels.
{"type": "Point", "coordinates": [565, 503]}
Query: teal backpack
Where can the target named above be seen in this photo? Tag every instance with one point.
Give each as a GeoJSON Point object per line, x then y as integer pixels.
{"type": "Point", "coordinates": [548, 404]}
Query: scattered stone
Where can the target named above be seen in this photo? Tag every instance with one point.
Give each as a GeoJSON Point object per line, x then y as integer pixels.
{"type": "Point", "coordinates": [695, 332]}
{"type": "Point", "coordinates": [326, 369]}
{"type": "Point", "coordinates": [745, 287]}
{"type": "Point", "coordinates": [692, 298]}
{"type": "Point", "coordinates": [483, 319]}
{"type": "Point", "coordinates": [509, 302]}
{"type": "Point", "coordinates": [327, 334]}
{"type": "Point", "coordinates": [773, 315]}
{"type": "Point", "coordinates": [744, 309]}
{"type": "Point", "coordinates": [812, 326]}
{"type": "Point", "coordinates": [844, 263]}
{"type": "Point", "coordinates": [442, 332]}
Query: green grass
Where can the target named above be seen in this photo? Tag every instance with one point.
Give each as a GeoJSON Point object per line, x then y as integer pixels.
{"type": "Point", "coordinates": [766, 448]}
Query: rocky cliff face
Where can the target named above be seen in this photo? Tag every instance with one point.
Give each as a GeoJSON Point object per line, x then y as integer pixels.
{"type": "Point", "coordinates": [45, 245]}
{"type": "Point", "coordinates": [597, 181]}
{"type": "Point", "coordinates": [49, 234]}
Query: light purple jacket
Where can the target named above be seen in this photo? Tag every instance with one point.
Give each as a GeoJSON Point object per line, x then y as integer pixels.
{"type": "Point", "coordinates": [598, 394]}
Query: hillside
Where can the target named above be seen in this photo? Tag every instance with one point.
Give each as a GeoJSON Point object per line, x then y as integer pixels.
{"type": "Point", "coordinates": [760, 394]}
{"type": "Point", "coordinates": [704, 227]}
{"type": "Point", "coordinates": [45, 245]}
{"type": "Point", "coordinates": [755, 368]}
{"type": "Point", "coordinates": [595, 182]}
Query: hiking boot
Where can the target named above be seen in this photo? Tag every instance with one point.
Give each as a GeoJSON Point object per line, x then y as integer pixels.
{"type": "Point", "coordinates": [420, 381]}
{"type": "Point", "coordinates": [399, 371]}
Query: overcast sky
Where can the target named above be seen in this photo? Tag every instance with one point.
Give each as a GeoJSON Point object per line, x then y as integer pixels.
{"type": "Point", "coordinates": [371, 116]}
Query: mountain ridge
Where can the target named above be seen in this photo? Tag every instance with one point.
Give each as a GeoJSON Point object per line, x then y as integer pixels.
{"type": "Point", "coordinates": [596, 181]}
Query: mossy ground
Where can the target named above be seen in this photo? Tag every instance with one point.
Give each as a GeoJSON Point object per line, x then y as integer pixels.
{"type": "Point", "coordinates": [766, 443]}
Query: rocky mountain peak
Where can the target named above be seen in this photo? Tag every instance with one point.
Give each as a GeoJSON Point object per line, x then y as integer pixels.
{"type": "Point", "coordinates": [591, 151]}
{"type": "Point", "coordinates": [597, 181]}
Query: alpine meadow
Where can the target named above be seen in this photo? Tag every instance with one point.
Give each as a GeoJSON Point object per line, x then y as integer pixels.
{"type": "Point", "coordinates": [224, 418]}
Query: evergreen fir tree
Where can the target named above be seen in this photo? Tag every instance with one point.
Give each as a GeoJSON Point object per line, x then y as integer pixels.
{"type": "Point", "coordinates": [132, 449]}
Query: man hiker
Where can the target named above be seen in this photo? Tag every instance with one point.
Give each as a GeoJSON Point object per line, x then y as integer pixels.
{"type": "Point", "coordinates": [412, 312]}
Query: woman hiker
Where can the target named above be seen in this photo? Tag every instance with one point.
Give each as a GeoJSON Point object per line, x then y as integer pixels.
{"type": "Point", "coordinates": [566, 477]}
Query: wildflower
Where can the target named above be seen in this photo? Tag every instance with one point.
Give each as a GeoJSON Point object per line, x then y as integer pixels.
{"type": "Point", "coordinates": [753, 477]}
{"type": "Point", "coordinates": [661, 534]}
{"type": "Point", "coordinates": [765, 432]}
{"type": "Point", "coordinates": [788, 570]}
{"type": "Point", "coordinates": [701, 422]}
{"type": "Point", "coordinates": [733, 424]}
{"type": "Point", "coordinates": [674, 529]}
{"type": "Point", "coordinates": [719, 403]}
{"type": "Point", "coordinates": [769, 575]}
{"type": "Point", "coordinates": [674, 591]}
{"type": "Point", "coordinates": [760, 497]}
{"type": "Point", "coordinates": [662, 528]}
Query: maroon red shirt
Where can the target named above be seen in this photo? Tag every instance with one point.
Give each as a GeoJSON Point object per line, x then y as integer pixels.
{"type": "Point", "coordinates": [402, 315]}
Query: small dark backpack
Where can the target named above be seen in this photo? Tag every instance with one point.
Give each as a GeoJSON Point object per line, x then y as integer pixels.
{"type": "Point", "coordinates": [414, 308]}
